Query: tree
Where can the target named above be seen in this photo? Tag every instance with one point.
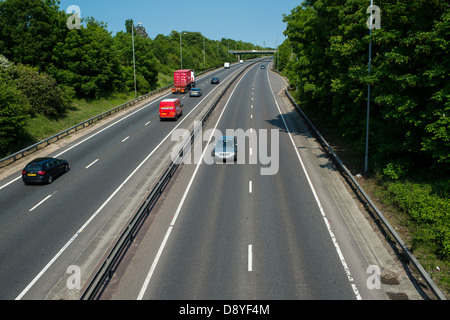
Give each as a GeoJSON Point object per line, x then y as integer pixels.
{"type": "Point", "coordinates": [87, 61]}
{"type": "Point", "coordinates": [13, 113]}
{"type": "Point", "coordinates": [30, 29]}
{"type": "Point", "coordinates": [410, 96]}
{"type": "Point", "coordinates": [42, 93]}
{"type": "Point", "coordinates": [146, 62]}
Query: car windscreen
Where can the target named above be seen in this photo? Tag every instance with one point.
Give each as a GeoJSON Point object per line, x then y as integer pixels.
{"type": "Point", "coordinates": [226, 143]}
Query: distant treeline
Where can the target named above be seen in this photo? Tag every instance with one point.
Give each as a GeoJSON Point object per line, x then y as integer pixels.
{"type": "Point", "coordinates": [44, 64]}
{"type": "Point", "coordinates": [325, 57]}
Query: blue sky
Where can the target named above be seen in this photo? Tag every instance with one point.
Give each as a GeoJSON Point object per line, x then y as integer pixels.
{"type": "Point", "coordinates": [255, 21]}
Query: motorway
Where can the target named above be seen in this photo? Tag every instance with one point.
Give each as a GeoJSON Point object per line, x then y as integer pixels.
{"type": "Point", "coordinates": [46, 229]}
{"type": "Point", "coordinates": [281, 227]}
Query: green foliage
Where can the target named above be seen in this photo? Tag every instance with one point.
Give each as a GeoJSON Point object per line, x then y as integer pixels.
{"type": "Point", "coordinates": [41, 91]}
{"type": "Point", "coordinates": [410, 87]}
{"type": "Point", "coordinates": [45, 64]}
{"type": "Point", "coordinates": [284, 55]}
{"type": "Point", "coordinates": [86, 60]}
{"type": "Point", "coordinates": [29, 30]}
{"type": "Point", "coordinates": [13, 113]}
{"type": "Point", "coordinates": [93, 62]}
{"type": "Point", "coordinates": [427, 209]}
{"type": "Point", "coordinates": [394, 171]}
{"type": "Point", "coordinates": [410, 95]}
{"type": "Point", "coordinates": [146, 63]}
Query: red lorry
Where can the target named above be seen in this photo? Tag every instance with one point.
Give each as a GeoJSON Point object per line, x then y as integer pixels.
{"type": "Point", "coordinates": [183, 81]}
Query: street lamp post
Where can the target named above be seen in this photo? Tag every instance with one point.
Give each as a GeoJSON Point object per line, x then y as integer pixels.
{"type": "Point", "coordinates": [181, 50]}
{"type": "Point", "coordinates": [134, 60]}
{"type": "Point", "coordinates": [374, 15]}
{"type": "Point", "coordinates": [181, 54]}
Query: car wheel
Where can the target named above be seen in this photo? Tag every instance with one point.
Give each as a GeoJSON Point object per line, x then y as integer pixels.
{"type": "Point", "coordinates": [49, 179]}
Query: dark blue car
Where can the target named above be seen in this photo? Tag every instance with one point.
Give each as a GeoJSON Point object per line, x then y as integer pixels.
{"type": "Point", "coordinates": [44, 170]}
{"type": "Point", "coordinates": [215, 80]}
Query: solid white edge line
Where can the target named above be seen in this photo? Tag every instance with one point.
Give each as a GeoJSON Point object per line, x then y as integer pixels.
{"type": "Point", "coordinates": [7, 184]}
{"type": "Point", "coordinates": [319, 204]}
{"type": "Point", "coordinates": [39, 275]}
{"type": "Point", "coordinates": [180, 205]}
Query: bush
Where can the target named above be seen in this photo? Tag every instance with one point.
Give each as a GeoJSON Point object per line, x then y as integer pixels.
{"type": "Point", "coordinates": [13, 113]}
{"type": "Point", "coordinates": [394, 171]}
{"type": "Point", "coordinates": [41, 90]}
{"type": "Point", "coordinates": [428, 210]}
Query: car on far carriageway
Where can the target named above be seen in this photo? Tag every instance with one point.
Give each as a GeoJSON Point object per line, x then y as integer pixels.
{"type": "Point", "coordinates": [225, 148]}
{"type": "Point", "coordinates": [215, 80]}
{"type": "Point", "coordinates": [195, 92]}
{"type": "Point", "coordinates": [44, 170]}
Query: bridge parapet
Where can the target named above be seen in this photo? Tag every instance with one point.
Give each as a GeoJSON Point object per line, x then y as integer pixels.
{"type": "Point", "coordinates": [239, 52]}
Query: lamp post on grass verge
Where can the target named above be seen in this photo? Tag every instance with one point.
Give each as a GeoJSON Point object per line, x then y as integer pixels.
{"type": "Point", "coordinates": [374, 15]}
{"type": "Point", "coordinates": [134, 60]}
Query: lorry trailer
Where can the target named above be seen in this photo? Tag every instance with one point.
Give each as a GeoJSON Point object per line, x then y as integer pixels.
{"type": "Point", "coordinates": [183, 81]}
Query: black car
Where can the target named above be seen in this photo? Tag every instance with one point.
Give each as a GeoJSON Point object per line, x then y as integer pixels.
{"type": "Point", "coordinates": [215, 80]}
{"type": "Point", "coordinates": [263, 66]}
{"type": "Point", "coordinates": [44, 170]}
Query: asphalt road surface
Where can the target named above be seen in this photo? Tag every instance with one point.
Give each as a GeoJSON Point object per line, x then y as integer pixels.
{"type": "Point", "coordinates": [281, 227]}
{"type": "Point", "coordinates": [44, 230]}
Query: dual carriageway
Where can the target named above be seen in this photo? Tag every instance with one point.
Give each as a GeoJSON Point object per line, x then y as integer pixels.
{"type": "Point", "coordinates": [220, 231]}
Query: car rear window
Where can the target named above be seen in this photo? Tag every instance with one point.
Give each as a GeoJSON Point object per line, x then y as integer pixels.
{"type": "Point", "coordinates": [33, 167]}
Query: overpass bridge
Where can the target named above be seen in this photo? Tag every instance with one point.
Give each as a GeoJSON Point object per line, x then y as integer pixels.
{"type": "Point", "coordinates": [241, 52]}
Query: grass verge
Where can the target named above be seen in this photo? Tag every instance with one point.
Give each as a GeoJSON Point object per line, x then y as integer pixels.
{"type": "Point", "coordinates": [41, 127]}
{"type": "Point", "coordinates": [418, 207]}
